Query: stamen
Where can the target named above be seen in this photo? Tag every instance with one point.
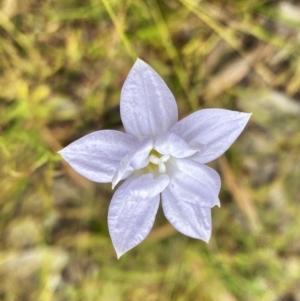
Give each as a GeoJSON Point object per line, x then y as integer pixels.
{"type": "Point", "coordinates": [153, 159]}
{"type": "Point", "coordinates": [165, 158]}
{"type": "Point", "coordinates": [162, 167]}
{"type": "Point", "coordinates": [160, 161]}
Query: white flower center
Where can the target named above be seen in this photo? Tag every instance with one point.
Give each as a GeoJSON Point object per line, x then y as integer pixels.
{"type": "Point", "coordinates": [160, 161]}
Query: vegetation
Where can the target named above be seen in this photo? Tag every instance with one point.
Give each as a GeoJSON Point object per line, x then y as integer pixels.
{"type": "Point", "coordinates": [62, 66]}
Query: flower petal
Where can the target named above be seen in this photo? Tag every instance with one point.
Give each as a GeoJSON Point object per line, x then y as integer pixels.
{"type": "Point", "coordinates": [148, 107]}
{"type": "Point", "coordinates": [171, 144]}
{"type": "Point", "coordinates": [97, 155]}
{"type": "Point", "coordinates": [194, 183]}
{"type": "Point", "coordinates": [189, 219]}
{"type": "Point", "coordinates": [136, 159]}
{"type": "Point", "coordinates": [133, 209]}
{"type": "Point", "coordinates": [215, 129]}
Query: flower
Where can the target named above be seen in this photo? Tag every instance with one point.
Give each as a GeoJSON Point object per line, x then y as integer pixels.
{"type": "Point", "coordinates": [157, 156]}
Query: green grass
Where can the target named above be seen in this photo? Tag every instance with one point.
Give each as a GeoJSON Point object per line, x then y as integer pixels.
{"type": "Point", "coordinates": [62, 66]}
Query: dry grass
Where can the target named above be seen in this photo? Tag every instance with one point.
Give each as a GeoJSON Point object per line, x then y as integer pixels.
{"type": "Point", "coordinates": [62, 65]}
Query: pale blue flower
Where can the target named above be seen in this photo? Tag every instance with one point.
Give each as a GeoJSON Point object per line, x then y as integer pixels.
{"type": "Point", "coordinates": [158, 157]}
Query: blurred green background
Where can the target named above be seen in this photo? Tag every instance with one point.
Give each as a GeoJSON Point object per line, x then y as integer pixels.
{"type": "Point", "coordinates": [62, 66]}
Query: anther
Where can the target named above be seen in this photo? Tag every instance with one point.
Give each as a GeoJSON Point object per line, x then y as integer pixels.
{"type": "Point", "coordinates": [155, 160]}
{"type": "Point", "coordinates": [160, 162]}
{"type": "Point", "coordinates": [162, 167]}
{"type": "Point", "coordinates": [165, 158]}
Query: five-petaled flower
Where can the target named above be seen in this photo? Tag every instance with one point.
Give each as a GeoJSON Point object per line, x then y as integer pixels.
{"type": "Point", "coordinates": [158, 156]}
